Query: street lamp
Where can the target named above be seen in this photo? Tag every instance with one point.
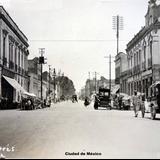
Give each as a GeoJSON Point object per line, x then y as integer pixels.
{"type": "Point", "coordinates": [54, 81]}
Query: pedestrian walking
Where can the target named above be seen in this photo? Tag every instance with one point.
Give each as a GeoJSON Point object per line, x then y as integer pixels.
{"type": "Point", "coordinates": [142, 104]}
{"type": "Point", "coordinates": [136, 103]}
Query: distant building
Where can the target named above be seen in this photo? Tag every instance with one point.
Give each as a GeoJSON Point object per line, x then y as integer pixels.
{"type": "Point", "coordinates": [121, 63]}
{"type": "Point", "coordinates": [35, 81]}
{"type": "Point", "coordinates": [93, 85]}
{"type": "Point", "coordinates": [13, 58]}
{"type": "Point", "coordinates": [34, 71]}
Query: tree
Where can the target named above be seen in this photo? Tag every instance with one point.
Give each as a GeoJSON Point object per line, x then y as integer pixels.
{"type": "Point", "coordinates": [66, 85]}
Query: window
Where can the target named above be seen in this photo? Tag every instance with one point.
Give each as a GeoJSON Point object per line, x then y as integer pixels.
{"type": "Point", "coordinates": [10, 52]}
{"type": "Point", "coordinates": [150, 19]}
{"type": "Point", "coordinates": [144, 58]}
{"type": "Point", "coordinates": [144, 53]}
{"type": "Point", "coordinates": [150, 55]}
{"type": "Point", "coordinates": [135, 60]}
{"type": "Point", "coordinates": [151, 49]}
{"type": "Point", "coordinates": [4, 46]}
{"type": "Point", "coordinates": [15, 55]}
{"type": "Point", "coordinates": [19, 57]}
{"type": "Point", "coordinates": [140, 57]}
{"type": "Point", "coordinates": [22, 60]}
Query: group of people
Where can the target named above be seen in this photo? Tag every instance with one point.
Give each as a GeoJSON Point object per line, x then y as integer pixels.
{"type": "Point", "coordinates": [138, 103]}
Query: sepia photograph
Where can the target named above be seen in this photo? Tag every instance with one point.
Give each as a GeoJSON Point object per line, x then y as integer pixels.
{"type": "Point", "coordinates": [79, 79]}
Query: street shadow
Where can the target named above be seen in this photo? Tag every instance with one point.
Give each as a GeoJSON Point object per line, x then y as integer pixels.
{"type": "Point", "coordinates": [103, 109]}
{"type": "Point", "coordinates": [156, 119]}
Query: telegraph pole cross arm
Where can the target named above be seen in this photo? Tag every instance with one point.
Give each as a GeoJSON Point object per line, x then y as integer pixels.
{"type": "Point", "coordinates": [118, 24]}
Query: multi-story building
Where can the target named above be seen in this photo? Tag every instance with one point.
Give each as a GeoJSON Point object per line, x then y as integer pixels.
{"type": "Point", "coordinates": [143, 53]}
{"type": "Point", "coordinates": [121, 64]}
{"type": "Point", "coordinates": [34, 71]}
{"type": "Point", "coordinates": [13, 58]}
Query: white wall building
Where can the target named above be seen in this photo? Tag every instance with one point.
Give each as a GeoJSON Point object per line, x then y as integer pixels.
{"type": "Point", "coordinates": [13, 58]}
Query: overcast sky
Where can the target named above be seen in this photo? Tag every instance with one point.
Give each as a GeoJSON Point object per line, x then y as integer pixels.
{"type": "Point", "coordinates": [73, 31]}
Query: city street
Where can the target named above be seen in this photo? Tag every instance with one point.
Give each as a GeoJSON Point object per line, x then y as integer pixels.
{"type": "Point", "coordinates": [65, 128]}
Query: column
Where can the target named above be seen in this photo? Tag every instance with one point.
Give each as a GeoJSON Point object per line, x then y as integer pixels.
{"type": "Point", "coordinates": [7, 49]}
{"type": "Point", "coordinates": [1, 45]}
{"type": "Point", "coordinates": [1, 53]}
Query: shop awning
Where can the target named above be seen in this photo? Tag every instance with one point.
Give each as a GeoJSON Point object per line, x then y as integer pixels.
{"type": "Point", "coordinates": [29, 94]}
{"type": "Point", "coordinates": [115, 89]}
{"type": "Point", "coordinates": [14, 84]}
{"type": "Point", "coordinates": [155, 84]}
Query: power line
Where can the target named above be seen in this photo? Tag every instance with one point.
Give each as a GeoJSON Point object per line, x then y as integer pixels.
{"type": "Point", "coordinates": [69, 40]}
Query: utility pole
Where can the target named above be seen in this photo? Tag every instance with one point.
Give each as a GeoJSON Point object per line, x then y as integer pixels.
{"type": "Point", "coordinates": [110, 70]}
{"type": "Point", "coordinates": [89, 84]}
{"type": "Point", "coordinates": [95, 82]}
{"type": "Point", "coordinates": [49, 85]}
{"type": "Point", "coordinates": [110, 73]}
{"type": "Point", "coordinates": [41, 62]}
{"type": "Point", "coordinates": [118, 25]}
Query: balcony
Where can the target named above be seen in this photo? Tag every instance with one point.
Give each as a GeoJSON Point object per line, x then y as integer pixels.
{"type": "Point", "coordinates": [138, 69]}
{"type": "Point", "coordinates": [134, 70]}
{"type": "Point", "coordinates": [117, 80]}
{"type": "Point", "coordinates": [19, 70]}
{"type": "Point", "coordinates": [11, 65]}
{"type": "Point", "coordinates": [26, 73]}
{"type": "Point", "coordinates": [144, 66]}
{"type": "Point", "coordinates": [130, 73]}
{"type": "Point", "coordinates": [16, 68]}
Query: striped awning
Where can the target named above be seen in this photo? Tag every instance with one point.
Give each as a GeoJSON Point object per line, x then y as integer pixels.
{"type": "Point", "coordinates": [14, 84]}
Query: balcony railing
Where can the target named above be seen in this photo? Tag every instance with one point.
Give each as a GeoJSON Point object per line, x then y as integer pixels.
{"type": "Point", "coordinates": [4, 61]}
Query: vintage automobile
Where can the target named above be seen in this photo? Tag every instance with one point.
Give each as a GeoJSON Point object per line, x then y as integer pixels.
{"type": "Point", "coordinates": [103, 99]}
{"type": "Point", "coordinates": [155, 100]}
{"type": "Point", "coordinates": [28, 101]}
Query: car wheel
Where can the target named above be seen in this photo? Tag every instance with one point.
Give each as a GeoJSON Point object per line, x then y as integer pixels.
{"type": "Point", "coordinates": [96, 106]}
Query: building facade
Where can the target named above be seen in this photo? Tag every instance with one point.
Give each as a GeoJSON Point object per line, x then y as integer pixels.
{"type": "Point", "coordinates": [143, 53]}
{"type": "Point", "coordinates": [121, 63]}
{"type": "Point", "coordinates": [34, 71]}
{"type": "Point", "coordinates": [92, 86]}
{"type": "Point", "coordinates": [13, 58]}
